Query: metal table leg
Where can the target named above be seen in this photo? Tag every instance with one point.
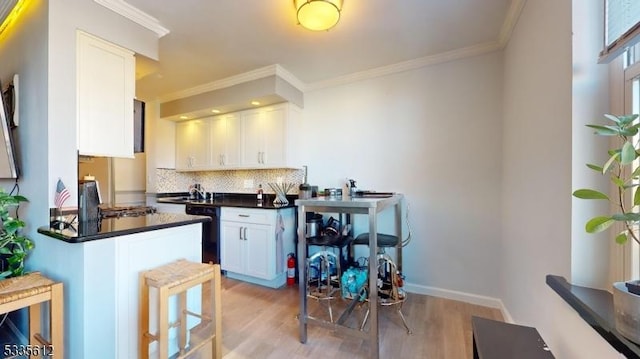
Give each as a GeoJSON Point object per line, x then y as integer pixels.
{"type": "Point", "coordinates": [302, 274]}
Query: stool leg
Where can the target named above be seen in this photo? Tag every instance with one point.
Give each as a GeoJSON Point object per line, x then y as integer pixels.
{"type": "Point", "coordinates": [143, 324]}
{"type": "Point", "coordinates": [34, 324]}
{"type": "Point", "coordinates": [56, 320]}
{"type": "Point", "coordinates": [163, 323]}
{"type": "Point", "coordinates": [182, 302]}
{"type": "Point", "coordinates": [216, 291]}
{"type": "Point", "coordinates": [404, 321]}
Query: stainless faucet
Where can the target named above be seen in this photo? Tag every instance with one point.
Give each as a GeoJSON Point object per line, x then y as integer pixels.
{"type": "Point", "coordinates": [196, 191]}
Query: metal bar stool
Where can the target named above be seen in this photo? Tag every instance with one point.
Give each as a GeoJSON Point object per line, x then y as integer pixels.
{"type": "Point", "coordinates": [323, 278]}
{"type": "Point", "coordinates": [390, 280]}
{"type": "Point", "coordinates": [176, 278]}
{"type": "Point", "coordinates": [31, 291]}
{"type": "Point", "coordinates": [390, 290]}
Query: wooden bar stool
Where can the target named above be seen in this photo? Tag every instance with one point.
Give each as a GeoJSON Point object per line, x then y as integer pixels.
{"type": "Point", "coordinates": [176, 278]}
{"type": "Point", "coordinates": [32, 290]}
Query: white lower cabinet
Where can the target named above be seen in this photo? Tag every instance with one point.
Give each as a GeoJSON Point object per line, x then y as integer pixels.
{"type": "Point", "coordinates": [254, 244]}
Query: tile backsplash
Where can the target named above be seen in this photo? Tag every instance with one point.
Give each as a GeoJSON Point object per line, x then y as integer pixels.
{"type": "Point", "coordinates": [233, 181]}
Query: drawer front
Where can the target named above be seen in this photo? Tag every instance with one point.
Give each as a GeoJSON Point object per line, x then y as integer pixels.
{"type": "Point", "coordinates": [248, 215]}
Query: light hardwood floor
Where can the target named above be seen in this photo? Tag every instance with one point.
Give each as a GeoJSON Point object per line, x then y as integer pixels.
{"type": "Point", "coordinates": [259, 322]}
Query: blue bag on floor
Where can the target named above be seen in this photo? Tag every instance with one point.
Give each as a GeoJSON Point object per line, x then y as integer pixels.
{"type": "Point", "coordinates": [353, 282]}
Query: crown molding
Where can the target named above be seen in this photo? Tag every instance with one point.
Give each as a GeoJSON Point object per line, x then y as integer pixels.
{"type": "Point", "coordinates": [290, 78]}
{"type": "Point", "coordinates": [510, 21]}
{"type": "Point", "coordinates": [408, 65]}
{"type": "Point", "coordinates": [134, 14]}
{"type": "Point", "coordinates": [226, 82]}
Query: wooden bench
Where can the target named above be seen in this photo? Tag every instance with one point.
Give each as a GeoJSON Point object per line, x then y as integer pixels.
{"type": "Point", "coordinates": [493, 339]}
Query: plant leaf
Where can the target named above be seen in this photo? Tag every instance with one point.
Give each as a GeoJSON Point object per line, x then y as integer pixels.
{"type": "Point", "coordinates": [626, 119]}
{"type": "Point", "coordinates": [617, 181]}
{"type": "Point", "coordinates": [612, 159]}
{"type": "Point", "coordinates": [621, 238]}
{"type": "Point", "coordinates": [596, 167]}
{"type": "Point", "coordinates": [585, 193]}
{"type": "Point", "coordinates": [627, 217]}
{"type": "Point", "coordinates": [604, 130]}
{"type": "Point", "coordinates": [636, 197]}
{"type": "Point", "coordinates": [628, 153]}
{"type": "Point", "coordinates": [598, 224]}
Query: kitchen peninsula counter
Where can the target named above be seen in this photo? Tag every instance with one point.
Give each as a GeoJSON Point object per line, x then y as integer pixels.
{"type": "Point", "coordinates": [100, 270]}
{"type": "Point", "coordinates": [115, 227]}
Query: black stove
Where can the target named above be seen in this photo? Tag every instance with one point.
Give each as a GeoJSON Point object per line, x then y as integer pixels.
{"type": "Point", "coordinates": [131, 211]}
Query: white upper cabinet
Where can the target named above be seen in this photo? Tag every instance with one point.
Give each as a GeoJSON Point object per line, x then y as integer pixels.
{"type": "Point", "coordinates": [269, 136]}
{"type": "Point", "coordinates": [257, 138]}
{"type": "Point", "coordinates": [225, 141]}
{"type": "Point", "coordinates": [105, 94]}
{"type": "Point", "coordinates": [193, 145]}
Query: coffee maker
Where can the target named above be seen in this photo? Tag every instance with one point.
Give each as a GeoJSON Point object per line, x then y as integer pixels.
{"type": "Point", "coordinates": [88, 201]}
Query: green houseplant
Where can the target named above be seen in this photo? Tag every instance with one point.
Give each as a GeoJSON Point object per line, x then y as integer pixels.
{"type": "Point", "coordinates": [624, 173]}
{"type": "Point", "coordinates": [14, 247]}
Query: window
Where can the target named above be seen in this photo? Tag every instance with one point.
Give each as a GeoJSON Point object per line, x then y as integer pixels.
{"type": "Point", "coordinates": [631, 64]}
{"type": "Point", "coordinates": [622, 27]}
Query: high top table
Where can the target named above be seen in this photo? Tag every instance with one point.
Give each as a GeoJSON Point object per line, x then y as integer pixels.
{"type": "Point", "coordinates": [353, 205]}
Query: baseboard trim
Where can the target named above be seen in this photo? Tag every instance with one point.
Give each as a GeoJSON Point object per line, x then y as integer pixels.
{"type": "Point", "coordinates": [476, 299]}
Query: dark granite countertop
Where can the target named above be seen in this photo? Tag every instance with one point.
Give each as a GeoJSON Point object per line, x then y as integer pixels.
{"type": "Point", "coordinates": [245, 200]}
{"type": "Point", "coordinates": [113, 227]}
{"type": "Point", "coordinates": [595, 306]}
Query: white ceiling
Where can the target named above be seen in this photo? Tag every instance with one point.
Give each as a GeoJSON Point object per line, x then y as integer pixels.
{"type": "Point", "coordinates": [210, 40]}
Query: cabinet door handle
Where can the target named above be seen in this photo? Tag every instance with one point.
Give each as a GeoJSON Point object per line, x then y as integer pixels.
{"type": "Point", "coordinates": [244, 215]}
{"type": "Point", "coordinates": [262, 157]}
{"type": "Point", "coordinates": [241, 234]}
{"type": "Point", "coordinates": [245, 233]}
{"type": "Point", "coordinates": [224, 159]}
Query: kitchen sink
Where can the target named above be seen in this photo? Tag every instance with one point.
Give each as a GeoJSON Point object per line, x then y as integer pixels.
{"type": "Point", "coordinates": [178, 200]}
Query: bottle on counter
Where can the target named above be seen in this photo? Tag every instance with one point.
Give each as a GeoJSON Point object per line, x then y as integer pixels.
{"type": "Point", "coordinates": [260, 194]}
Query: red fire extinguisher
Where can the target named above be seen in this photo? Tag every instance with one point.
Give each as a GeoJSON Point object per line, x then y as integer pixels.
{"type": "Point", "coordinates": [291, 269]}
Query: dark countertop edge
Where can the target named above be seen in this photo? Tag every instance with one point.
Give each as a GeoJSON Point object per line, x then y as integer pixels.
{"type": "Point", "coordinates": [192, 220]}
{"type": "Point", "coordinates": [243, 200]}
{"type": "Point", "coordinates": [171, 194]}
{"type": "Point", "coordinates": [595, 306]}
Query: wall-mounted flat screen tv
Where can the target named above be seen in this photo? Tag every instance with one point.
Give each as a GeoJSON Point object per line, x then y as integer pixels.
{"type": "Point", "coordinates": [8, 157]}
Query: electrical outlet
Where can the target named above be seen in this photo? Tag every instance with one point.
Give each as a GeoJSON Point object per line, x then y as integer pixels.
{"type": "Point", "coordinates": [248, 183]}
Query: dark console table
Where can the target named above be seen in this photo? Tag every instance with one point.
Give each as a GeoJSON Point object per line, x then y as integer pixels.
{"type": "Point", "coordinates": [493, 339]}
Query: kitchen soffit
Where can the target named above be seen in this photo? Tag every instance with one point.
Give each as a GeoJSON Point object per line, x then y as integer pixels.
{"type": "Point", "coordinates": [267, 91]}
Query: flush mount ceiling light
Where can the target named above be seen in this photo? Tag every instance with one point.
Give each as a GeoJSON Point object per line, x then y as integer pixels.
{"type": "Point", "coordinates": [318, 15]}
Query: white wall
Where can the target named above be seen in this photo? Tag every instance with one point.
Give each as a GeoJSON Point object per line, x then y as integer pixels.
{"type": "Point", "coordinates": [434, 135]}
{"type": "Point", "coordinates": [23, 51]}
{"type": "Point", "coordinates": [536, 237]}
{"type": "Point", "coordinates": [589, 267]}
